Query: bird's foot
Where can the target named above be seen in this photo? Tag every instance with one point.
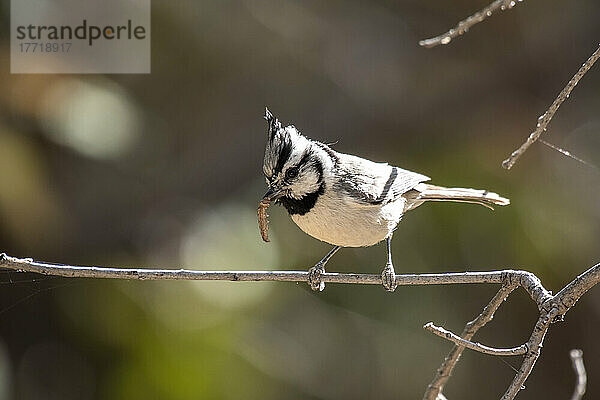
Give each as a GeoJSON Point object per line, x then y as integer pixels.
{"type": "Point", "coordinates": [315, 276]}
{"type": "Point", "coordinates": [388, 278]}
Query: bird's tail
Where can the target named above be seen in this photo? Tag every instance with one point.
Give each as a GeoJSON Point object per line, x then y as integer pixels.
{"type": "Point", "coordinates": [439, 193]}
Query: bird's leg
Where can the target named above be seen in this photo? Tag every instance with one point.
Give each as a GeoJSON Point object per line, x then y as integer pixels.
{"type": "Point", "coordinates": [315, 273]}
{"type": "Point", "coordinates": [388, 275]}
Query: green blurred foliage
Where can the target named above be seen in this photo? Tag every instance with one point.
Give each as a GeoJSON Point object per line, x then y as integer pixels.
{"type": "Point", "coordinates": [165, 170]}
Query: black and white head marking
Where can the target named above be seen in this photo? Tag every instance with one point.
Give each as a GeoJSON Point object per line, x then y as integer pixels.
{"type": "Point", "coordinates": [292, 165]}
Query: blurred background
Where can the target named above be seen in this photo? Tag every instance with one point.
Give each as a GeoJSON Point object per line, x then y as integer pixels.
{"type": "Point", "coordinates": [165, 170]}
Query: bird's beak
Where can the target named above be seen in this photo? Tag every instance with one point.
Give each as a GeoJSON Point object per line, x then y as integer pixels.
{"type": "Point", "coordinates": [273, 194]}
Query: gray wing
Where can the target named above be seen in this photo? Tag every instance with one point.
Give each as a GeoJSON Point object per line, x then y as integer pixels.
{"type": "Point", "coordinates": [373, 183]}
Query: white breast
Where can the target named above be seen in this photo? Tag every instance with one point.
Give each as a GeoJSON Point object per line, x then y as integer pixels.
{"type": "Point", "coordinates": [346, 223]}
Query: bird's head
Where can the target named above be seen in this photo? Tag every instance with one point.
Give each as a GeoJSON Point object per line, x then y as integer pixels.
{"type": "Point", "coordinates": [292, 165]}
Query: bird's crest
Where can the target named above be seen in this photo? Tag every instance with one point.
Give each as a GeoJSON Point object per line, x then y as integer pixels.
{"type": "Point", "coordinates": [273, 124]}
{"type": "Point", "coordinates": [279, 145]}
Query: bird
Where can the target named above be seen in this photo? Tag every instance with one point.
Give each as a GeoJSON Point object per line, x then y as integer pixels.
{"type": "Point", "coordinates": [346, 200]}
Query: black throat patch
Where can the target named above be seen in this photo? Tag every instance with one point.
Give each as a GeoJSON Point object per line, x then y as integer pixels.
{"type": "Point", "coordinates": [307, 202]}
{"type": "Point", "coordinates": [303, 205]}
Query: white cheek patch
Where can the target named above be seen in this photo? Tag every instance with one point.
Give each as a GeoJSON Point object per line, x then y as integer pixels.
{"type": "Point", "coordinates": [307, 182]}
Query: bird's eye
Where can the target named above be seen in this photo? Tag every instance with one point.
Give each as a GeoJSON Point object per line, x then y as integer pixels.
{"type": "Point", "coordinates": [291, 173]}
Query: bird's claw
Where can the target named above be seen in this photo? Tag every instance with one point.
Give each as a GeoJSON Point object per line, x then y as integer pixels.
{"type": "Point", "coordinates": [388, 278]}
{"type": "Point", "coordinates": [315, 275]}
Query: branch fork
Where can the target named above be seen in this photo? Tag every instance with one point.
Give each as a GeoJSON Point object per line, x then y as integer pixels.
{"type": "Point", "coordinates": [551, 307]}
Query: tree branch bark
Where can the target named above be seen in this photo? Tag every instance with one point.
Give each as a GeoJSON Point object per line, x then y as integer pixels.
{"type": "Point", "coordinates": [75, 271]}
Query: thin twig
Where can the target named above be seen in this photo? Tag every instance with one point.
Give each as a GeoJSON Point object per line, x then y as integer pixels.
{"type": "Point", "coordinates": [545, 118]}
{"type": "Point", "coordinates": [464, 25]}
{"type": "Point", "coordinates": [493, 351]}
{"type": "Point", "coordinates": [577, 360]}
{"type": "Point", "coordinates": [443, 373]}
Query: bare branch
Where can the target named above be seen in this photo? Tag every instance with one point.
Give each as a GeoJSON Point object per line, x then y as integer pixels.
{"type": "Point", "coordinates": [545, 118]}
{"type": "Point", "coordinates": [551, 308]}
{"type": "Point", "coordinates": [443, 373]}
{"type": "Point", "coordinates": [73, 271]}
{"type": "Point", "coordinates": [577, 360]}
{"type": "Point", "coordinates": [534, 346]}
{"type": "Point", "coordinates": [521, 278]}
{"type": "Point", "coordinates": [464, 25]}
{"type": "Point", "coordinates": [446, 334]}
{"type": "Point", "coordinates": [568, 296]}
